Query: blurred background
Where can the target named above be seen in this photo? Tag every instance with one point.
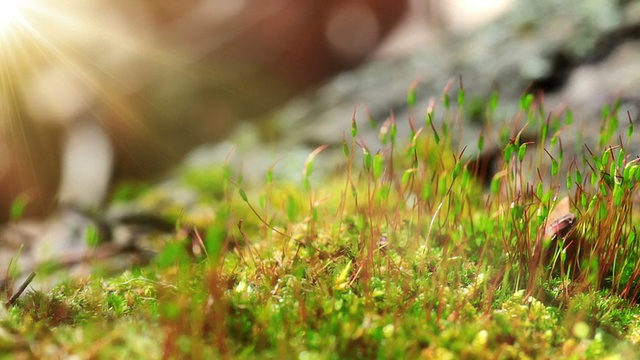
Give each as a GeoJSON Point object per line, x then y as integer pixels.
{"type": "Point", "coordinates": [154, 79]}
{"type": "Point", "coordinates": [158, 77]}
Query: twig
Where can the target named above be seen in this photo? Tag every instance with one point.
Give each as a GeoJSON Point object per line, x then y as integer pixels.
{"type": "Point", "coordinates": [19, 292]}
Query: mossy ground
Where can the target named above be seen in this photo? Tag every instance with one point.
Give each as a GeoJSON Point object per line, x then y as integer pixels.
{"type": "Point", "coordinates": [400, 253]}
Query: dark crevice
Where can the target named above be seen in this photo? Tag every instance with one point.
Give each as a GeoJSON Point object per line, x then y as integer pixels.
{"type": "Point", "coordinates": [563, 62]}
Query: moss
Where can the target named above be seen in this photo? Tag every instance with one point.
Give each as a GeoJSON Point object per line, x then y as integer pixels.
{"type": "Point", "coordinates": [402, 255]}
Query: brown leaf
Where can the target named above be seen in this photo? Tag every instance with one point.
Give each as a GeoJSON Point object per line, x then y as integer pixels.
{"type": "Point", "coordinates": [561, 220]}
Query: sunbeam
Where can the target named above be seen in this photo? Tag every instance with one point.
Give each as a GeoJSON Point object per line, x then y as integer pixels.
{"type": "Point", "coordinates": [158, 78]}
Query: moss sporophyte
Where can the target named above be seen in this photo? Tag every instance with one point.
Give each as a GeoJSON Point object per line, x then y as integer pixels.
{"type": "Point", "coordinates": [400, 251]}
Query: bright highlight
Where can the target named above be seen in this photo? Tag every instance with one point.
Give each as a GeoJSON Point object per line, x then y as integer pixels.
{"type": "Point", "coordinates": [9, 12]}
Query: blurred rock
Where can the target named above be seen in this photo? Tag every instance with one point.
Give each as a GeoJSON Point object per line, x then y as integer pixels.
{"type": "Point", "coordinates": [581, 54]}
